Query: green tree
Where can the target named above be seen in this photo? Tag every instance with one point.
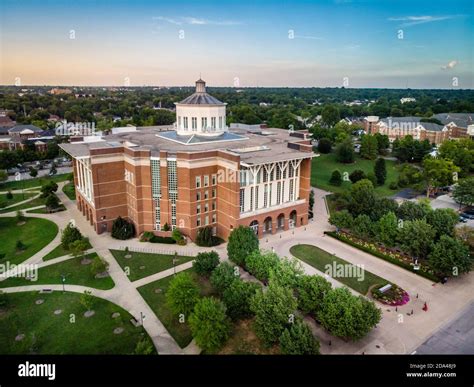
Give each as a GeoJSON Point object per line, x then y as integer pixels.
{"type": "Point", "coordinates": [87, 300]}
{"type": "Point", "coordinates": [122, 229]}
{"type": "Point", "coordinates": [205, 238]}
{"type": "Point", "coordinates": [330, 115]}
{"type": "Point", "coordinates": [443, 221]}
{"type": "Point", "coordinates": [286, 273]}
{"type": "Point", "coordinates": [52, 202]}
{"type": "Point", "coordinates": [242, 241]}
{"type": "Point", "coordinates": [362, 197]}
{"type": "Point", "coordinates": [259, 264]}
{"type": "Point", "coordinates": [223, 276]}
{"type": "Point", "coordinates": [438, 173]}
{"type": "Point", "coordinates": [345, 152]}
{"type": "Point", "coordinates": [311, 291]}
{"type": "Point", "coordinates": [274, 310]}
{"type": "Point", "coordinates": [357, 175]}
{"type": "Point", "coordinates": [342, 219]}
{"type": "Point", "coordinates": [298, 340]}
{"type": "Point", "coordinates": [450, 257]}
{"type": "Point", "coordinates": [325, 145]}
{"type": "Point", "coordinates": [78, 247]}
{"type": "Point", "coordinates": [383, 142]}
{"type": "Point", "coordinates": [182, 294]}
{"type": "Point", "coordinates": [363, 227]}
{"type": "Point", "coordinates": [48, 189]}
{"type": "Point", "coordinates": [409, 210]}
{"type": "Point", "coordinates": [98, 266]}
{"type": "Point", "coordinates": [69, 235]}
{"type": "Point", "coordinates": [460, 152]}
{"type": "Point", "coordinates": [386, 229]}
{"type": "Point", "coordinates": [463, 192]}
{"type": "Point", "coordinates": [33, 172]}
{"type": "Point", "coordinates": [380, 171]}
{"type": "Point", "coordinates": [416, 237]}
{"type": "Point", "coordinates": [209, 324]}
{"type": "Point", "coordinates": [348, 316]}
{"type": "Point", "coordinates": [237, 298]}
{"type": "Point", "coordinates": [336, 178]}
{"type": "Point", "coordinates": [143, 347]}
{"type": "Point", "coordinates": [369, 147]}
{"type": "Point", "coordinates": [3, 176]}
{"type": "Point", "coordinates": [205, 263]}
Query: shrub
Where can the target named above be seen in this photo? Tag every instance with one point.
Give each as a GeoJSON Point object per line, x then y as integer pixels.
{"type": "Point", "coordinates": [205, 263]}
{"type": "Point", "coordinates": [176, 235]}
{"type": "Point", "coordinates": [311, 291]}
{"type": "Point", "coordinates": [380, 171]}
{"type": "Point", "coordinates": [357, 175]}
{"type": "Point", "coordinates": [20, 246]}
{"type": "Point", "coordinates": [341, 219]}
{"type": "Point", "coordinates": [122, 229]}
{"type": "Point", "coordinates": [345, 152]}
{"type": "Point", "coordinates": [336, 178]}
{"type": "Point", "coordinates": [393, 185]}
{"type": "Point", "coordinates": [98, 266]}
{"type": "Point", "coordinates": [209, 324]}
{"type": "Point", "coordinates": [242, 241]}
{"type": "Point", "coordinates": [298, 340]}
{"type": "Point", "coordinates": [223, 276]}
{"type": "Point", "coordinates": [3, 299]}
{"type": "Point", "coordinates": [146, 236]}
{"type": "Point", "coordinates": [324, 145]}
{"type": "Point", "coordinates": [69, 235]}
{"type": "Point", "coordinates": [52, 201]}
{"type": "Point", "coordinates": [260, 263]}
{"type": "Point", "coordinates": [166, 227]}
{"type": "Point", "coordinates": [182, 294]}
{"type": "Point", "coordinates": [143, 347]}
{"type": "Point", "coordinates": [205, 238]}
{"type": "Point", "coordinates": [48, 189]}
{"type": "Point", "coordinates": [237, 298]}
{"type": "Point", "coordinates": [20, 217]}
{"type": "Point", "coordinates": [286, 272]}
{"type": "Point", "coordinates": [160, 239]}
{"type": "Point", "coordinates": [9, 195]}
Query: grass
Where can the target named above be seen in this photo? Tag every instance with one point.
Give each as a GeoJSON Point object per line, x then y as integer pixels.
{"type": "Point", "coordinates": [70, 191]}
{"type": "Point", "coordinates": [35, 234]}
{"type": "Point", "coordinates": [32, 203]}
{"type": "Point", "coordinates": [154, 263]}
{"type": "Point", "coordinates": [47, 333]}
{"type": "Point", "coordinates": [76, 274]}
{"type": "Point", "coordinates": [157, 301]}
{"type": "Point", "coordinates": [325, 164]}
{"type": "Point", "coordinates": [44, 210]}
{"type": "Point", "coordinates": [60, 251]}
{"type": "Point", "coordinates": [318, 258]}
{"type": "Point", "coordinates": [17, 197]}
{"type": "Point", "coordinates": [35, 182]}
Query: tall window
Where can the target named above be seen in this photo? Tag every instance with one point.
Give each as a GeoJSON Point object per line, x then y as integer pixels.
{"type": "Point", "coordinates": [198, 196]}
{"type": "Point", "coordinates": [220, 122]}
{"type": "Point", "coordinates": [265, 196]}
{"type": "Point", "coordinates": [185, 121]}
{"type": "Point", "coordinates": [194, 123]}
{"type": "Point", "coordinates": [198, 181]}
{"type": "Point", "coordinates": [251, 198]}
{"type": "Point", "coordinates": [206, 180]}
{"type": "Point", "coordinates": [214, 179]}
{"type": "Point", "coordinates": [279, 192]}
{"type": "Point", "coordinates": [198, 209]}
{"type": "Point", "coordinates": [179, 122]}
{"type": "Point", "coordinates": [203, 122]}
{"type": "Point", "coordinates": [291, 190]}
{"type": "Point", "coordinates": [213, 122]}
{"type": "Point", "coordinates": [213, 192]}
{"type": "Point", "coordinates": [242, 200]}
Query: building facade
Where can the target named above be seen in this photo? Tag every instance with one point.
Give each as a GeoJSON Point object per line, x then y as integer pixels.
{"type": "Point", "coordinates": [197, 173]}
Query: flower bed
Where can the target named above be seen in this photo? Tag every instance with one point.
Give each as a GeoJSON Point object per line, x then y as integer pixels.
{"type": "Point", "coordinates": [382, 252]}
{"type": "Point", "coordinates": [395, 296]}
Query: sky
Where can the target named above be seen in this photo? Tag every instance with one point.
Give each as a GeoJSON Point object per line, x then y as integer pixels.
{"type": "Point", "coordinates": [351, 43]}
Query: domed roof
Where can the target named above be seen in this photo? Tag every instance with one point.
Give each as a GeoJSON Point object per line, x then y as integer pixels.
{"type": "Point", "coordinates": [200, 97]}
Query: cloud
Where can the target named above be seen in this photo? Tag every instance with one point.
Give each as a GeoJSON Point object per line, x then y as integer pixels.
{"type": "Point", "coordinates": [196, 21]}
{"type": "Point", "coordinates": [450, 65]}
{"type": "Point", "coordinates": [415, 20]}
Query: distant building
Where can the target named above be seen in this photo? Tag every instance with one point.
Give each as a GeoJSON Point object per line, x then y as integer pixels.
{"type": "Point", "coordinates": [58, 91]}
{"type": "Point", "coordinates": [407, 99]}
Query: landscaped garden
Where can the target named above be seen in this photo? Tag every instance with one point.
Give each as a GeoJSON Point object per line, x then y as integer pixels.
{"type": "Point", "coordinates": [22, 237]}
{"type": "Point", "coordinates": [70, 190]}
{"type": "Point", "coordinates": [30, 204]}
{"type": "Point", "coordinates": [60, 251]}
{"type": "Point", "coordinates": [9, 199]}
{"type": "Point", "coordinates": [141, 265]}
{"type": "Point", "coordinates": [85, 271]}
{"type": "Point", "coordinates": [320, 260]}
{"type": "Point", "coordinates": [55, 323]}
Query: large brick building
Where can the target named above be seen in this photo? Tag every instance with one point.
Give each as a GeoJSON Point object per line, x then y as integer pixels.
{"type": "Point", "coordinates": [196, 173]}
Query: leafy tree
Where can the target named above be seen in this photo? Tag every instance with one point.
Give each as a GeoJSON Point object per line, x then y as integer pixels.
{"type": "Point", "coordinates": [205, 263]}
{"type": "Point", "coordinates": [33, 172]}
{"type": "Point", "coordinates": [78, 247]}
{"type": "Point", "coordinates": [369, 147]}
{"type": "Point", "coordinates": [52, 202]}
{"type": "Point", "coordinates": [274, 309]}
{"type": "Point", "coordinates": [223, 276]}
{"type": "Point", "coordinates": [416, 236]}
{"type": "Point", "coordinates": [69, 235]}
{"type": "Point", "coordinates": [357, 175]}
{"type": "Point", "coordinates": [383, 142]}
{"type": "Point", "coordinates": [177, 235]}
{"type": "Point", "coordinates": [348, 316]}
{"type": "Point", "coordinates": [438, 173]}
{"type": "Point", "coordinates": [286, 273]}
{"type": "Point", "coordinates": [342, 219]}
{"type": "Point", "coordinates": [330, 115]}
{"type": "Point", "coordinates": [237, 298]}
{"type": "Point", "coordinates": [325, 145]}
{"type": "Point", "coordinates": [143, 347]}
{"type": "Point", "coordinates": [409, 175]}
{"type": "Point", "coordinates": [450, 257]}
{"type": "Point", "coordinates": [409, 210]}
{"type": "Point", "coordinates": [460, 152]}
{"type": "Point", "coordinates": [443, 221]}
{"type": "Point", "coordinates": [205, 238]}
{"type": "Point", "coordinates": [122, 229]}
{"type": "Point", "coordinates": [336, 178]}
{"type": "Point", "coordinates": [380, 171]}
{"type": "Point", "coordinates": [259, 264]}
{"type": "Point", "coordinates": [182, 294]}
{"type": "Point", "coordinates": [466, 235]}
{"type": "Point", "coordinates": [363, 226]}
{"type": "Point", "coordinates": [87, 300]}
{"type": "Point", "coordinates": [386, 229]}
{"type": "Point", "coordinates": [311, 204]}
{"type": "Point", "coordinates": [381, 207]}
{"type": "Point", "coordinates": [9, 195]}
{"type": "Point", "coordinates": [98, 266]}
{"type": "Point", "coordinates": [298, 340]}
{"type": "Point", "coordinates": [311, 291]}
{"type": "Point", "coordinates": [209, 324]}
{"type": "Point", "coordinates": [48, 189]}
{"type": "Point", "coordinates": [363, 197]}
{"type": "Point", "coordinates": [3, 175]}
{"type": "Point", "coordinates": [463, 192]}
{"type": "Point", "coordinates": [345, 152]}
{"type": "Point", "coordinates": [242, 241]}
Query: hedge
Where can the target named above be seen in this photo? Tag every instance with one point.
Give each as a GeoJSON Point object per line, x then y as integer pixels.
{"type": "Point", "coordinates": [385, 257]}
{"type": "Point", "coordinates": [160, 239]}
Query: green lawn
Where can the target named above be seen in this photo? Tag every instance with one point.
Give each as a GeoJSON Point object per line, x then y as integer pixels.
{"type": "Point", "coordinates": [60, 251]}
{"type": "Point", "coordinates": [34, 234]}
{"type": "Point", "coordinates": [323, 166]}
{"type": "Point", "coordinates": [70, 191]}
{"type": "Point", "coordinates": [47, 333]}
{"type": "Point", "coordinates": [36, 182]}
{"type": "Point", "coordinates": [318, 258]}
{"type": "Point", "coordinates": [17, 197]}
{"type": "Point", "coordinates": [76, 274]}
{"type": "Point", "coordinates": [154, 263]}
{"type": "Point", "coordinates": [44, 210]}
{"type": "Point", "coordinates": [32, 203]}
{"type": "Point", "coordinates": [157, 301]}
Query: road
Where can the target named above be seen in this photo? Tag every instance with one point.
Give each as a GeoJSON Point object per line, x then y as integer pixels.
{"type": "Point", "coordinates": [41, 173]}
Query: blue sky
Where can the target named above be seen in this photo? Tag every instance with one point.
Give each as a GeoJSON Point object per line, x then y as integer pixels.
{"type": "Point", "coordinates": [245, 43]}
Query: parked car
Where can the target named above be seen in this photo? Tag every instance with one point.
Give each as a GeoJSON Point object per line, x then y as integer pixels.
{"type": "Point", "coordinates": [467, 215]}
{"type": "Point", "coordinates": [470, 212]}
{"type": "Point", "coordinates": [462, 219]}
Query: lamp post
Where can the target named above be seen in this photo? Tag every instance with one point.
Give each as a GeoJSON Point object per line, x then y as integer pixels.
{"type": "Point", "coordinates": [142, 316]}
{"type": "Point", "coordinates": [175, 260]}
{"type": "Point", "coordinates": [63, 281]}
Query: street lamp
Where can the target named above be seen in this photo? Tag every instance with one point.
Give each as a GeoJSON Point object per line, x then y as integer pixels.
{"type": "Point", "coordinates": [175, 260]}
{"type": "Point", "coordinates": [63, 280]}
{"type": "Point", "coordinates": [142, 316]}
